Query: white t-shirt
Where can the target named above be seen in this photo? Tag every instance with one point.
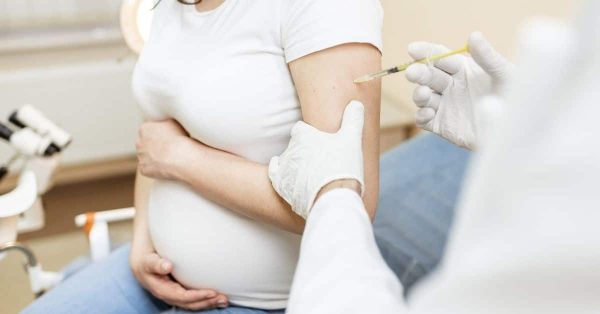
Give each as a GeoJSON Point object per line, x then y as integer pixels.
{"type": "Point", "coordinates": [223, 76]}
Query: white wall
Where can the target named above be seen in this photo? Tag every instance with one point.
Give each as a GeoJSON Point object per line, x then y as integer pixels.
{"type": "Point", "coordinates": [77, 71]}
{"type": "Point", "coordinates": [92, 100]}
{"type": "Point", "coordinates": [25, 14]}
{"type": "Point", "coordinates": [88, 90]}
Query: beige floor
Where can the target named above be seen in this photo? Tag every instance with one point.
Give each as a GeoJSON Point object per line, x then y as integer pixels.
{"type": "Point", "coordinates": [54, 252]}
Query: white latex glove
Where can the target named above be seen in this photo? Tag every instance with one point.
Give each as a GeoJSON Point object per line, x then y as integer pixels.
{"type": "Point", "coordinates": [450, 88]}
{"type": "Point", "coordinates": [314, 158]}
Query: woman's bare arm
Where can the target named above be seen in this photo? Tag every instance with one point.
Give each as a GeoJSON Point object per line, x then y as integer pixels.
{"type": "Point", "coordinates": [324, 81]}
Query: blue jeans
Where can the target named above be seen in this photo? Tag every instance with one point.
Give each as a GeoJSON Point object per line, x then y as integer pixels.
{"type": "Point", "coordinates": [107, 287]}
{"type": "Point", "coordinates": [420, 182]}
{"type": "Point", "coordinates": [419, 185]}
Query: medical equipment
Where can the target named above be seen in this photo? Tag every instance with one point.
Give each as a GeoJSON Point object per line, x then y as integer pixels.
{"type": "Point", "coordinates": [27, 142]}
{"type": "Point", "coordinates": [4, 169]}
{"type": "Point", "coordinates": [29, 117]}
{"type": "Point", "coordinates": [21, 210]}
{"type": "Point", "coordinates": [403, 67]}
{"type": "Point", "coordinates": [3, 172]}
{"type": "Point", "coordinates": [41, 157]}
{"type": "Point", "coordinates": [12, 205]}
{"type": "Point", "coordinates": [95, 227]}
{"type": "Point", "coordinates": [39, 141]}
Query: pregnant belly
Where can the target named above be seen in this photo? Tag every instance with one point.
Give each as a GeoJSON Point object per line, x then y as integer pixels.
{"type": "Point", "coordinates": [212, 247]}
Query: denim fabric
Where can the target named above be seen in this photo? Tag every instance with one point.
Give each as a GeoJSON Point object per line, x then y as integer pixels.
{"type": "Point", "coordinates": [420, 182]}
{"type": "Point", "coordinates": [108, 287]}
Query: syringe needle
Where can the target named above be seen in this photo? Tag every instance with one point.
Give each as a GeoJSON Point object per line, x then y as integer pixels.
{"type": "Point", "coordinates": [403, 67]}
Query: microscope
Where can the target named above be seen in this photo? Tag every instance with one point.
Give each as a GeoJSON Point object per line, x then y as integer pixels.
{"type": "Point", "coordinates": [37, 142]}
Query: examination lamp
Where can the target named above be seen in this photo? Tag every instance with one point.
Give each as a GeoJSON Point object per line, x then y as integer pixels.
{"type": "Point", "coordinates": [136, 19]}
{"type": "Point", "coordinates": [27, 142]}
{"type": "Point", "coordinates": [28, 117]}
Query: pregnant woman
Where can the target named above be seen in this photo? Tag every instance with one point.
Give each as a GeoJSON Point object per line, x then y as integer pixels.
{"type": "Point", "coordinates": [221, 83]}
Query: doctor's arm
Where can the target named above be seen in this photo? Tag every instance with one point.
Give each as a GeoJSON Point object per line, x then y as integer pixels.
{"type": "Point", "coordinates": [340, 269]}
{"type": "Point", "coordinates": [324, 81]}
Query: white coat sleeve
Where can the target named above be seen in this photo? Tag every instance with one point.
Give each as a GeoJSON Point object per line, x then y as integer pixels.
{"type": "Point", "coordinates": [526, 236]}
{"type": "Point", "coordinates": [340, 268]}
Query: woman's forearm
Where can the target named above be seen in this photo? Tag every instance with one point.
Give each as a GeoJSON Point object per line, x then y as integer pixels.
{"type": "Point", "coordinates": [235, 183]}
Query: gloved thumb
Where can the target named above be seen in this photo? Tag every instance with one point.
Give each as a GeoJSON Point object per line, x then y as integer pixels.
{"type": "Point", "coordinates": [274, 171]}
{"type": "Point", "coordinates": [353, 119]}
{"type": "Point", "coordinates": [302, 127]}
{"type": "Point", "coordinates": [488, 58]}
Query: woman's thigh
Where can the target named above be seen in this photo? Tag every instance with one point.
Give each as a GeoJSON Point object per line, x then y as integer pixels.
{"type": "Point", "coordinates": [420, 183]}
{"type": "Point", "coordinates": [107, 286]}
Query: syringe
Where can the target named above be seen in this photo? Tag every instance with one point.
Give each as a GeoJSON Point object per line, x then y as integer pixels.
{"type": "Point", "coordinates": [403, 67]}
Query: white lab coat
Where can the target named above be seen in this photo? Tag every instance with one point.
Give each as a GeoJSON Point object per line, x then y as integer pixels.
{"type": "Point", "coordinates": [527, 233]}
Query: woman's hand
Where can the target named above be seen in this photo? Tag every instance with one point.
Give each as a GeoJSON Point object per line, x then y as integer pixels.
{"type": "Point", "coordinates": [153, 273]}
{"type": "Point", "coordinates": [159, 146]}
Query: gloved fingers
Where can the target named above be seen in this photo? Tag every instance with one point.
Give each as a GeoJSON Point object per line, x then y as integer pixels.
{"type": "Point", "coordinates": [434, 101]}
{"type": "Point", "coordinates": [424, 97]}
{"type": "Point", "coordinates": [421, 96]}
{"type": "Point", "coordinates": [440, 80]}
{"type": "Point", "coordinates": [487, 57]}
{"type": "Point", "coordinates": [423, 116]}
{"type": "Point", "coordinates": [435, 78]}
{"type": "Point", "coordinates": [422, 50]}
{"type": "Point", "coordinates": [354, 119]}
{"type": "Point", "coordinates": [274, 169]}
{"type": "Point", "coordinates": [418, 74]}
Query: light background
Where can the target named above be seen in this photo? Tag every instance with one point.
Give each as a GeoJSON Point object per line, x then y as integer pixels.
{"type": "Point", "coordinates": [450, 23]}
{"type": "Point", "coordinates": [83, 81]}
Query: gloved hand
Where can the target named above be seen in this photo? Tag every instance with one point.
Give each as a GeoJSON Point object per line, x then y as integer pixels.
{"type": "Point", "coordinates": [450, 88]}
{"type": "Point", "coordinates": [314, 158]}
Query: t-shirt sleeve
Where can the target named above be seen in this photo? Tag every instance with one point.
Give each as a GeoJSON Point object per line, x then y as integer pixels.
{"type": "Point", "coordinates": [312, 25]}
